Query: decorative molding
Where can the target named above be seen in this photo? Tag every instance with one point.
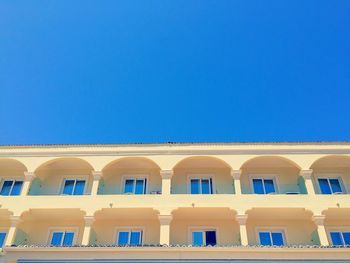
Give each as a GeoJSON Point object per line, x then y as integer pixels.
{"type": "Point", "coordinates": [319, 219]}
{"type": "Point", "coordinates": [97, 175]}
{"type": "Point", "coordinates": [242, 219]}
{"type": "Point", "coordinates": [15, 220]}
{"type": "Point", "coordinates": [29, 176]}
{"type": "Point", "coordinates": [165, 219]}
{"type": "Point", "coordinates": [166, 174]}
{"type": "Point", "coordinates": [236, 174]}
{"type": "Point", "coordinates": [89, 220]}
{"type": "Point", "coordinates": [306, 173]}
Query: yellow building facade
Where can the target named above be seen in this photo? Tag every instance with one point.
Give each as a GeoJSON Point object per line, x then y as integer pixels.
{"type": "Point", "coordinates": [175, 202]}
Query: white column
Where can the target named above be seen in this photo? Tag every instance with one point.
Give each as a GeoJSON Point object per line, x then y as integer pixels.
{"type": "Point", "coordinates": [242, 221]}
{"type": "Point", "coordinates": [87, 230]}
{"type": "Point", "coordinates": [11, 234]}
{"type": "Point", "coordinates": [322, 234]}
{"type": "Point", "coordinates": [28, 178]}
{"type": "Point", "coordinates": [165, 229]}
{"type": "Point", "coordinates": [307, 175]}
{"type": "Point", "coordinates": [236, 174]}
{"type": "Point", "coordinates": [96, 175]}
{"type": "Point", "coordinates": [166, 181]}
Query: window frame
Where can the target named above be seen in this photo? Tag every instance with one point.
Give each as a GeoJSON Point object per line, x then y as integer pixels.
{"type": "Point", "coordinates": [129, 229]}
{"type": "Point", "coordinates": [9, 178]}
{"type": "Point", "coordinates": [75, 178]}
{"type": "Point", "coordinates": [4, 230]}
{"type": "Point", "coordinates": [336, 229]}
{"type": "Point", "coordinates": [202, 229]}
{"type": "Point", "coordinates": [135, 177]}
{"type": "Point", "coordinates": [272, 177]}
{"type": "Point", "coordinates": [281, 229]}
{"type": "Point", "coordinates": [330, 176]}
{"type": "Point", "coordinates": [201, 176]}
{"type": "Point", "coordinates": [51, 230]}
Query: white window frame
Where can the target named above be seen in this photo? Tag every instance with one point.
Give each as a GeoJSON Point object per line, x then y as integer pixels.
{"type": "Point", "coordinates": [272, 177]}
{"type": "Point", "coordinates": [75, 230]}
{"type": "Point", "coordinates": [134, 177]}
{"type": "Point", "coordinates": [75, 178]}
{"type": "Point", "coordinates": [200, 177]}
{"type": "Point", "coordinates": [202, 229]}
{"type": "Point", "coordinates": [129, 229]}
{"type": "Point", "coordinates": [340, 229]}
{"type": "Point", "coordinates": [283, 230]}
{"type": "Point", "coordinates": [331, 176]}
{"type": "Point", "coordinates": [7, 178]}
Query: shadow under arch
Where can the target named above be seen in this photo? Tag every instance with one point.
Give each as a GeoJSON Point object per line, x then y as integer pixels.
{"type": "Point", "coordinates": [13, 167]}
{"type": "Point", "coordinates": [118, 172]}
{"type": "Point", "coordinates": [202, 170]}
{"type": "Point", "coordinates": [331, 162]}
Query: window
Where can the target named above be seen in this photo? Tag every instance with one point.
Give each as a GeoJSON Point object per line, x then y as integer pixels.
{"type": "Point", "coordinates": [340, 238]}
{"type": "Point", "coordinates": [73, 187]}
{"type": "Point", "coordinates": [271, 238]}
{"type": "Point", "coordinates": [204, 238]}
{"type": "Point", "coordinates": [263, 186]}
{"type": "Point", "coordinates": [129, 237]}
{"type": "Point", "coordinates": [2, 238]}
{"type": "Point", "coordinates": [330, 186]}
{"type": "Point", "coordinates": [201, 185]}
{"type": "Point", "coordinates": [11, 187]}
{"type": "Point", "coordinates": [137, 186]}
{"type": "Point", "coordinates": [62, 238]}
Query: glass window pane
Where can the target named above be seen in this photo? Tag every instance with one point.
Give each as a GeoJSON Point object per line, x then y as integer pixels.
{"type": "Point", "coordinates": [135, 238]}
{"type": "Point", "coordinates": [265, 238]}
{"type": "Point", "coordinates": [68, 187]}
{"type": "Point", "coordinates": [335, 185]}
{"type": "Point", "coordinates": [79, 187]}
{"type": "Point", "coordinates": [258, 186]}
{"type": "Point", "coordinates": [194, 186]}
{"type": "Point", "coordinates": [197, 238]}
{"type": "Point", "coordinates": [210, 238]}
{"type": "Point", "coordinates": [336, 239]}
{"type": "Point", "coordinates": [56, 238]}
{"type": "Point", "coordinates": [277, 239]}
{"type": "Point", "coordinates": [346, 237]}
{"type": "Point", "coordinates": [6, 187]}
{"type": "Point", "coordinates": [16, 189]}
{"type": "Point", "coordinates": [205, 186]}
{"type": "Point", "coordinates": [68, 239]}
{"type": "Point", "coordinates": [139, 189]}
{"type": "Point", "coordinates": [129, 186]}
{"type": "Point", "coordinates": [2, 239]}
{"type": "Point", "coordinates": [269, 186]}
{"type": "Point", "coordinates": [324, 186]}
{"type": "Point", "coordinates": [211, 186]}
{"type": "Point", "coordinates": [123, 238]}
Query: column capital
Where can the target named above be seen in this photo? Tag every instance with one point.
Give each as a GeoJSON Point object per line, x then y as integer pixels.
{"type": "Point", "coordinates": [236, 174]}
{"type": "Point", "coordinates": [96, 175]}
{"type": "Point", "coordinates": [29, 176]}
{"type": "Point", "coordinates": [165, 219]}
{"type": "Point", "coordinates": [166, 174]}
{"type": "Point", "coordinates": [89, 220]}
{"type": "Point", "coordinates": [242, 219]}
{"type": "Point", "coordinates": [15, 220]}
{"type": "Point", "coordinates": [306, 173]}
{"type": "Point", "coordinates": [319, 219]}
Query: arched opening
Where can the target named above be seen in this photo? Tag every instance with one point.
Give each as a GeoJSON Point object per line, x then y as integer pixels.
{"type": "Point", "coordinates": [331, 175]}
{"type": "Point", "coordinates": [11, 177]}
{"type": "Point", "coordinates": [131, 175]}
{"type": "Point", "coordinates": [67, 176]}
{"type": "Point", "coordinates": [271, 175]}
{"type": "Point", "coordinates": [202, 175]}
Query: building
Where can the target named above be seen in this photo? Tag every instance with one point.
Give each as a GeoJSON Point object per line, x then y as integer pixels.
{"type": "Point", "coordinates": [175, 202]}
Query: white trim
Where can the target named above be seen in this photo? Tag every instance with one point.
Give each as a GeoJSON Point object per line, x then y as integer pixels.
{"type": "Point", "coordinates": [134, 176]}
{"type": "Point", "coordinates": [128, 229]}
{"type": "Point", "coordinates": [330, 176]}
{"type": "Point", "coordinates": [270, 229]}
{"type": "Point", "coordinates": [75, 230]}
{"type": "Point", "coordinates": [336, 229]}
{"type": "Point", "coordinates": [191, 229]}
{"type": "Point", "coordinates": [74, 177]}
{"type": "Point", "coordinates": [264, 176]}
{"type": "Point", "coordinates": [201, 176]}
{"type": "Point", "coordinates": [9, 178]}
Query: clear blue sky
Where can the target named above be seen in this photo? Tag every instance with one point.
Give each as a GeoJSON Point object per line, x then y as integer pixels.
{"type": "Point", "coordinates": [183, 71]}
